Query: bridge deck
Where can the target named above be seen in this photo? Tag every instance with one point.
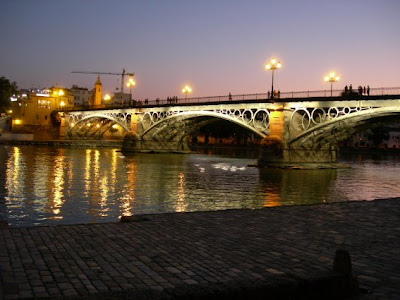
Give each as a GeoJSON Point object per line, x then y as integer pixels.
{"type": "Point", "coordinates": [254, 98]}
{"type": "Point", "coordinates": [192, 254]}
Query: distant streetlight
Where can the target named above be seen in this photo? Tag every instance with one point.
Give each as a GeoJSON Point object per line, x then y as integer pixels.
{"type": "Point", "coordinates": [58, 94]}
{"type": "Point", "coordinates": [272, 65]}
{"type": "Point", "coordinates": [186, 90]}
{"type": "Point", "coordinates": [332, 77]}
{"type": "Point", "coordinates": [130, 83]}
{"type": "Point", "coordinates": [107, 97]}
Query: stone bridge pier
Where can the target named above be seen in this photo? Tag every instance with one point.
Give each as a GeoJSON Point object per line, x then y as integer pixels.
{"type": "Point", "coordinates": [280, 149]}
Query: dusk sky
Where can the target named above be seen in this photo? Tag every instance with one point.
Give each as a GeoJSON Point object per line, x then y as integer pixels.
{"type": "Point", "coordinates": [216, 46]}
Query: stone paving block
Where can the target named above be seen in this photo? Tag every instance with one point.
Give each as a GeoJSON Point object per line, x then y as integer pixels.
{"type": "Point", "coordinates": [222, 247]}
{"type": "Point", "coordinates": [25, 295]}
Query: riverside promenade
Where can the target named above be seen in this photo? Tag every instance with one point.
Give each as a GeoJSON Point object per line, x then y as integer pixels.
{"type": "Point", "coordinates": [212, 255]}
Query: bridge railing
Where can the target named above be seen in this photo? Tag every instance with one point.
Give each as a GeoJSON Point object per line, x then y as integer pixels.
{"type": "Point", "coordinates": [287, 96]}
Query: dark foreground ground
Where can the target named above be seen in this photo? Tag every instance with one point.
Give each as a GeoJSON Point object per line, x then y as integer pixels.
{"type": "Point", "coordinates": [272, 253]}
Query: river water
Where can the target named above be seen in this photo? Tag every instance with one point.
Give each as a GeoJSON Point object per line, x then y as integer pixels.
{"type": "Point", "coordinates": [55, 185]}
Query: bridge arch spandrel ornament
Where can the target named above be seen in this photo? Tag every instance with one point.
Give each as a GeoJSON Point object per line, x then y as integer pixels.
{"type": "Point", "coordinates": [304, 118]}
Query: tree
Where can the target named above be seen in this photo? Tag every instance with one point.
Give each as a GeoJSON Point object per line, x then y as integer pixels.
{"type": "Point", "coordinates": [7, 89]}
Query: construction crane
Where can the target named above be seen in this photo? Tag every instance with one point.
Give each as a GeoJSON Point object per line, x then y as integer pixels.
{"type": "Point", "coordinates": [108, 73]}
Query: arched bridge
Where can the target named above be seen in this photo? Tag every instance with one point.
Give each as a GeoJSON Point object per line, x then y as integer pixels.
{"type": "Point", "coordinates": [293, 129]}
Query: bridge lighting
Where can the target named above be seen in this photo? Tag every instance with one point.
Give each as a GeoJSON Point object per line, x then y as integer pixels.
{"type": "Point", "coordinates": [17, 122]}
{"type": "Point", "coordinates": [186, 90]}
{"type": "Point", "coordinates": [273, 65]}
{"type": "Point", "coordinates": [115, 126]}
{"type": "Point", "coordinates": [332, 77]}
{"type": "Point", "coordinates": [130, 83]}
{"type": "Point", "coordinates": [107, 97]}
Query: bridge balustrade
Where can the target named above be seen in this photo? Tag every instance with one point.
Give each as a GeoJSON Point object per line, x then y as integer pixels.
{"type": "Point", "coordinates": [282, 96]}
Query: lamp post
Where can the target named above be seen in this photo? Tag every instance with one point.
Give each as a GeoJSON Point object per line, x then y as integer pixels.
{"type": "Point", "coordinates": [186, 90]}
{"type": "Point", "coordinates": [272, 65]}
{"type": "Point", "coordinates": [107, 98]}
{"type": "Point", "coordinates": [58, 94]}
{"type": "Point", "coordinates": [332, 77]}
{"type": "Point", "coordinates": [130, 83]}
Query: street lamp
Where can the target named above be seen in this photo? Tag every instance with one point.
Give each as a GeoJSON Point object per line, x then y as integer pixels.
{"type": "Point", "coordinates": [107, 99]}
{"type": "Point", "coordinates": [332, 77]}
{"type": "Point", "coordinates": [186, 90]}
{"type": "Point", "coordinates": [272, 65]}
{"type": "Point", "coordinates": [130, 83]}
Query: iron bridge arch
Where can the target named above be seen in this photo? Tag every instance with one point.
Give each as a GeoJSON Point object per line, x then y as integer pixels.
{"type": "Point", "coordinates": [184, 123]}
{"type": "Point", "coordinates": [319, 127]}
{"type": "Point", "coordinates": [76, 122]}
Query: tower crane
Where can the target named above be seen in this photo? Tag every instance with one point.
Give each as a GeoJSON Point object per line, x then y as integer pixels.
{"type": "Point", "coordinates": [109, 73]}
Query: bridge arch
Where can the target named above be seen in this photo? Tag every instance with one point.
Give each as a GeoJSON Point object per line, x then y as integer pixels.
{"type": "Point", "coordinates": [340, 128]}
{"type": "Point", "coordinates": [77, 124]}
{"type": "Point", "coordinates": [197, 118]}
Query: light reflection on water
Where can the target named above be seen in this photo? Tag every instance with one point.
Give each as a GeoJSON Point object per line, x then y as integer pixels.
{"type": "Point", "coordinates": [49, 185]}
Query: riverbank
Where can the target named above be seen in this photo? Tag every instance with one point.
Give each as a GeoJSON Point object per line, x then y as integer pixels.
{"type": "Point", "coordinates": [65, 143]}
{"type": "Point", "coordinates": [217, 255]}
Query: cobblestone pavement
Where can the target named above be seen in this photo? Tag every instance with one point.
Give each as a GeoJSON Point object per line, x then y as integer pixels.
{"type": "Point", "coordinates": [189, 251]}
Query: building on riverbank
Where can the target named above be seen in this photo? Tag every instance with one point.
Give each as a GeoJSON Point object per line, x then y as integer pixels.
{"type": "Point", "coordinates": [81, 95]}
{"type": "Point", "coordinates": [34, 111]}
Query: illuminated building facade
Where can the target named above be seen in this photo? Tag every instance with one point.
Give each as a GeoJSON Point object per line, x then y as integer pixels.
{"type": "Point", "coordinates": [81, 95]}
{"type": "Point", "coordinates": [32, 112]}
